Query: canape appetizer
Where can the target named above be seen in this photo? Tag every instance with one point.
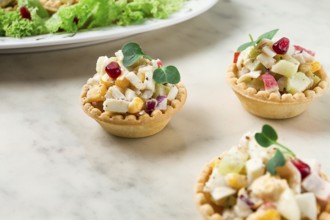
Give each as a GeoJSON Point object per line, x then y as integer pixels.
{"type": "Point", "coordinates": [261, 179]}
{"type": "Point", "coordinates": [276, 80]}
{"type": "Point", "coordinates": [132, 94]}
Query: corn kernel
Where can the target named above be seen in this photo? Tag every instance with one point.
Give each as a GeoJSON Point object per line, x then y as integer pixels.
{"type": "Point", "coordinates": [270, 214]}
{"type": "Point", "coordinates": [106, 80]}
{"type": "Point", "coordinates": [135, 105]}
{"type": "Point", "coordinates": [141, 76]}
{"type": "Point", "coordinates": [96, 93]}
{"type": "Point", "coordinates": [316, 66]}
{"type": "Point", "coordinates": [122, 82]}
{"type": "Point", "coordinates": [236, 181]}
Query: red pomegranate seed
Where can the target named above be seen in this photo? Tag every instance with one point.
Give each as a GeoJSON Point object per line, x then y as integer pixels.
{"type": "Point", "coordinates": [281, 46]}
{"type": "Point", "coordinates": [25, 13]}
{"type": "Point", "coordinates": [113, 70]}
{"type": "Point", "coordinates": [303, 168]}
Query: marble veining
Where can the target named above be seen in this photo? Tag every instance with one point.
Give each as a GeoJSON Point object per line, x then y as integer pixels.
{"type": "Point", "coordinates": [57, 164]}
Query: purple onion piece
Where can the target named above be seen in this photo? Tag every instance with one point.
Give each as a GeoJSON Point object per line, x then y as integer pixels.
{"type": "Point", "coordinates": [246, 200]}
{"type": "Point", "coordinates": [160, 99]}
{"type": "Point", "coordinates": [151, 105]}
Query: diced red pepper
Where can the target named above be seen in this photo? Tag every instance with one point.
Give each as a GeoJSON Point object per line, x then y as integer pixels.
{"type": "Point", "coordinates": [299, 48]}
{"type": "Point", "coordinates": [236, 54]}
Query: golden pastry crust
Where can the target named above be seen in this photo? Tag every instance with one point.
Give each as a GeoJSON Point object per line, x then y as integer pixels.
{"type": "Point", "coordinates": [54, 5]}
{"type": "Point", "coordinates": [133, 126]}
{"type": "Point", "coordinates": [272, 105]}
{"type": "Point", "coordinates": [210, 211]}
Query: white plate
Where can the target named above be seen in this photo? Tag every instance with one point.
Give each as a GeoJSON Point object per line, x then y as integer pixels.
{"type": "Point", "coordinates": [47, 42]}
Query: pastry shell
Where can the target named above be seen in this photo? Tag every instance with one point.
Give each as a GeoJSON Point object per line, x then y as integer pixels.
{"type": "Point", "coordinates": [272, 105]}
{"type": "Point", "coordinates": [211, 211]}
{"type": "Point", "coordinates": [133, 126]}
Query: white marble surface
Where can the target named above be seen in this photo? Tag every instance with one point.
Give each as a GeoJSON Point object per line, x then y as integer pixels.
{"type": "Point", "coordinates": [56, 163]}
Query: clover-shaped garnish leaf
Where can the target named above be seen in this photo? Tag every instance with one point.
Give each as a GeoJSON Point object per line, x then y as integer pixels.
{"type": "Point", "coordinates": [268, 137]}
{"type": "Point", "coordinates": [168, 74]}
{"type": "Point", "coordinates": [132, 53]}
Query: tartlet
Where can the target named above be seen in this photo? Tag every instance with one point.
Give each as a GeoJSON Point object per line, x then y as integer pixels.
{"type": "Point", "coordinates": [297, 190]}
{"type": "Point", "coordinates": [130, 101]}
{"type": "Point", "coordinates": [263, 85]}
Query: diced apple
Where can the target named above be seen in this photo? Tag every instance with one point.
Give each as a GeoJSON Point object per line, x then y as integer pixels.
{"type": "Point", "coordinates": [282, 82]}
{"type": "Point", "coordinates": [285, 68]}
{"type": "Point", "coordinates": [288, 206]}
{"type": "Point", "coordinates": [299, 48]}
{"type": "Point", "coordinates": [270, 83]}
{"type": "Point", "coordinates": [254, 66]}
{"type": "Point", "coordinates": [221, 192]}
{"type": "Point", "coordinates": [130, 94]}
{"type": "Point", "coordinates": [308, 205]}
{"type": "Point", "coordinates": [249, 76]}
{"type": "Point", "coordinates": [298, 83]}
{"type": "Point", "coordinates": [313, 77]}
{"type": "Point", "coordinates": [266, 60]}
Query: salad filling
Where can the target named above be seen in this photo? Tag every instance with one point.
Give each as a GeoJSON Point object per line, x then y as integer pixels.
{"type": "Point", "coordinates": [276, 67]}
{"type": "Point", "coordinates": [132, 82]}
{"type": "Point", "coordinates": [261, 179]}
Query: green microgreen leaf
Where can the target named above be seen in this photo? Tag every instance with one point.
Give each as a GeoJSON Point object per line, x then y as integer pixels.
{"type": "Point", "coordinates": [268, 35]}
{"type": "Point", "coordinates": [244, 46]}
{"type": "Point", "coordinates": [277, 160]}
{"type": "Point", "coordinates": [268, 137]}
{"type": "Point", "coordinates": [168, 74]}
{"type": "Point", "coordinates": [132, 53]}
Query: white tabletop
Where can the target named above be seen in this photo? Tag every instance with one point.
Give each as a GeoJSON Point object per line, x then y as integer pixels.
{"type": "Point", "coordinates": [58, 164]}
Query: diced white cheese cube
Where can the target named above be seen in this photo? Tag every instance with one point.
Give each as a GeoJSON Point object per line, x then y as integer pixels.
{"type": "Point", "coordinates": [268, 51]}
{"type": "Point", "coordinates": [288, 206]}
{"type": "Point", "coordinates": [254, 169]}
{"type": "Point", "coordinates": [160, 90]}
{"type": "Point", "coordinates": [308, 205]}
{"type": "Point", "coordinates": [94, 80]}
{"type": "Point", "coordinates": [299, 57]}
{"type": "Point", "coordinates": [120, 56]}
{"type": "Point", "coordinates": [149, 82]}
{"type": "Point", "coordinates": [114, 105]}
{"type": "Point", "coordinates": [172, 93]}
{"type": "Point", "coordinates": [130, 94]}
{"type": "Point", "coordinates": [215, 180]}
{"type": "Point", "coordinates": [266, 60]}
{"type": "Point", "coordinates": [134, 80]}
{"type": "Point", "coordinates": [147, 94]}
{"type": "Point", "coordinates": [315, 184]}
{"type": "Point", "coordinates": [115, 93]}
{"type": "Point", "coordinates": [162, 105]}
{"type": "Point", "coordinates": [100, 64]}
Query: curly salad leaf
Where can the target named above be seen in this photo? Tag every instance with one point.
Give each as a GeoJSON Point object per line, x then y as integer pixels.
{"type": "Point", "coordinates": [86, 14]}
